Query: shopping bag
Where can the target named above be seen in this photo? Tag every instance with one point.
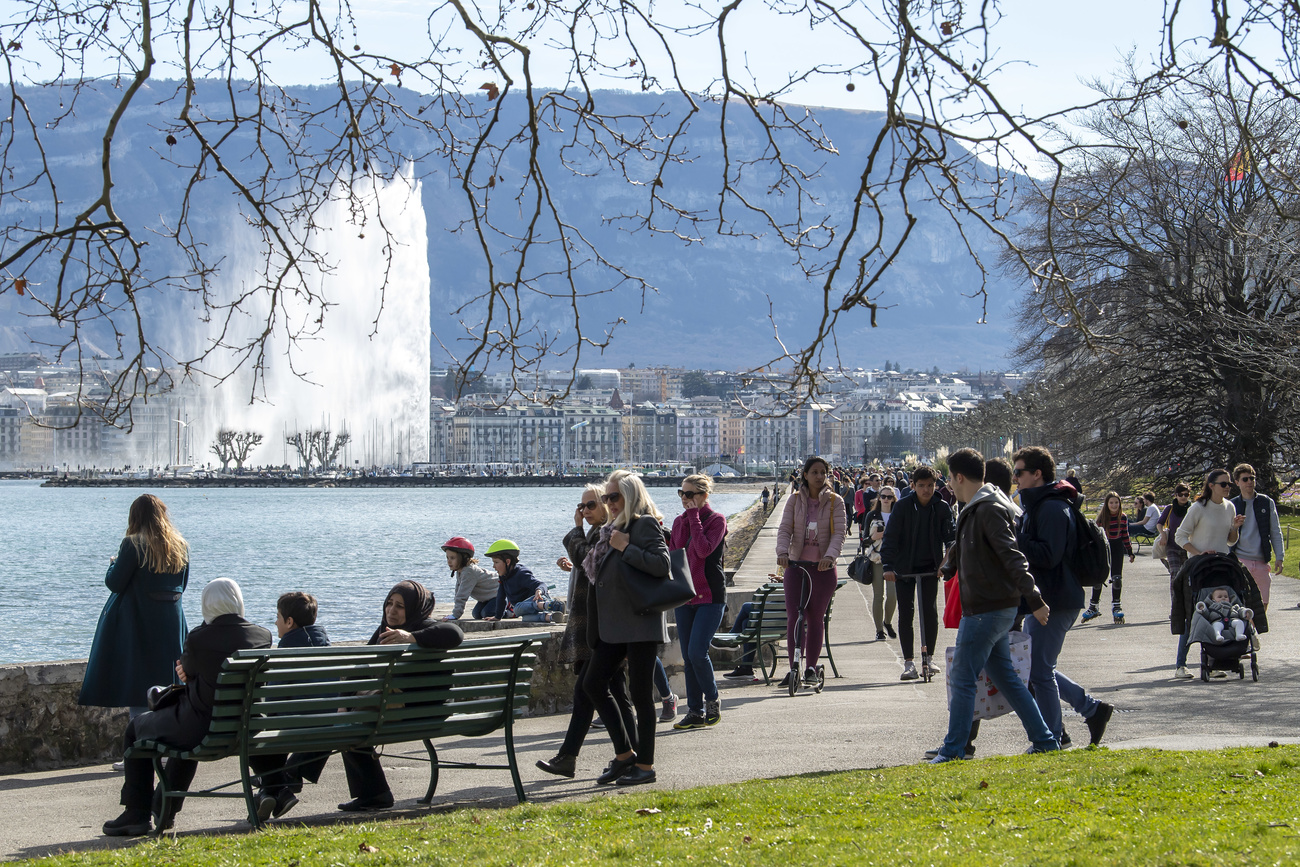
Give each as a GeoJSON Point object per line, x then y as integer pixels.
{"type": "Point", "coordinates": [951, 604]}
{"type": "Point", "coordinates": [989, 700]}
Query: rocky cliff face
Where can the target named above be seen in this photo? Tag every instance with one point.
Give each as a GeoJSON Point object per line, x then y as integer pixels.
{"type": "Point", "coordinates": [711, 307]}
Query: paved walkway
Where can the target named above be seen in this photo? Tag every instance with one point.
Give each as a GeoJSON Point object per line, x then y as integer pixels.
{"type": "Point", "coordinates": [867, 718]}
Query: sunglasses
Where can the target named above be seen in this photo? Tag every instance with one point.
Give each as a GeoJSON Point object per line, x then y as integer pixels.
{"type": "Point", "coordinates": [1017, 473]}
{"type": "Point", "coordinates": [1246, 479]}
{"type": "Point", "coordinates": [590, 504]}
{"type": "Point", "coordinates": [688, 495]}
{"type": "Point", "coordinates": [887, 497]}
{"type": "Point", "coordinates": [1222, 484]}
{"type": "Point", "coordinates": [611, 498]}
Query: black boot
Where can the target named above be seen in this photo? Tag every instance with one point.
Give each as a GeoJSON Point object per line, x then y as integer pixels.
{"type": "Point", "coordinates": [561, 766]}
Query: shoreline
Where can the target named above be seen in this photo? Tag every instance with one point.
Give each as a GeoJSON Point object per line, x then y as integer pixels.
{"type": "Point", "coordinates": [372, 482]}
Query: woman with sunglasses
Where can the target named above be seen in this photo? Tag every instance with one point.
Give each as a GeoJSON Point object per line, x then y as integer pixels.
{"type": "Point", "coordinates": [574, 651]}
{"type": "Point", "coordinates": [884, 594]}
{"type": "Point", "coordinates": [1212, 522]}
{"type": "Point", "coordinates": [1212, 525]}
{"type": "Point", "coordinates": [633, 537]}
{"type": "Point", "coordinates": [700, 531]}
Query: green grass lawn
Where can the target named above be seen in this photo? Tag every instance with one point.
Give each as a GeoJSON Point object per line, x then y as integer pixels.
{"type": "Point", "coordinates": [1238, 806]}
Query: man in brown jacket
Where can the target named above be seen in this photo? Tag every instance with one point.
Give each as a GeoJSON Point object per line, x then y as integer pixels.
{"type": "Point", "coordinates": [992, 575]}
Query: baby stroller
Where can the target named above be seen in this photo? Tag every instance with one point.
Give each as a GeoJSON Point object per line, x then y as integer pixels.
{"type": "Point", "coordinates": [1201, 576]}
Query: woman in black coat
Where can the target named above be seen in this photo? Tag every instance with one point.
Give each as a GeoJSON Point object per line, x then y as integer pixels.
{"type": "Point", "coordinates": [183, 723]}
{"type": "Point", "coordinates": [633, 537]}
{"type": "Point", "coordinates": [574, 651]}
{"type": "Point", "coordinates": [408, 619]}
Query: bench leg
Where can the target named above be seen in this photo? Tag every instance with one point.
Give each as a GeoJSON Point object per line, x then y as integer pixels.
{"type": "Point", "coordinates": [249, 800]}
{"type": "Point", "coordinates": [510, 754]}
{"type": "Point", "coordinates": [433, 772]}
{"type": "Point", "coordinates": [160, 775]}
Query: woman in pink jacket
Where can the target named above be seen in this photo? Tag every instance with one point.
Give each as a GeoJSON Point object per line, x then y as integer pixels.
{"type": "Point", "coordinates": [811, 531]}
{"type": "Point", "coordinates": [700, 531]}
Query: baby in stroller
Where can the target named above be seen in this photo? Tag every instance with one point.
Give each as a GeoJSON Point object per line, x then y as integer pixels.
{"type": "Point", "coordinates": [1222, 614]}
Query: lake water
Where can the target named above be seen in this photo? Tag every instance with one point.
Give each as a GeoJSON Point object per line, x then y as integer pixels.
{"type": "Point", "coordinates": [345, 546]}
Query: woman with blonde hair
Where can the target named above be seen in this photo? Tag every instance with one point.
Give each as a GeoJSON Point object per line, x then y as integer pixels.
{"type": "Point", "coordinates": [141, 630]}
{"type": "Point", "coordinates": [632, 538]}
{"type": "Point", "coordinates": [573, 644]}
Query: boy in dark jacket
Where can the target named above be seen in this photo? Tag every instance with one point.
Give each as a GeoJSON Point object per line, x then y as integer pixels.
{"type": "Point", "coordinates": [295, 621]}
{"type": "Point", "coordinates": [993, 576]}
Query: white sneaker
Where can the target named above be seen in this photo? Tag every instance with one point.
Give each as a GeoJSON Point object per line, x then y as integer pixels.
{"type": "Point", "coordinates": [1182, 673]}
{"type": "Point", "coordinates": [909, 671]}
{"type": "Point", "coordinates": [119, 766]}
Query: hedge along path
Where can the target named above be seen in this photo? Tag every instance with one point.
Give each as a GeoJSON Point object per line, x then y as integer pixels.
{"type": "Point", "coordinates": [1236, 806]}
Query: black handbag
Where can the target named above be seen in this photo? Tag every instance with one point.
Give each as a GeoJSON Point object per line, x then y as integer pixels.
{"type": "Point", "coordinates": [160, 697]}
{"type": "Point", "coordinates": [651, 595]}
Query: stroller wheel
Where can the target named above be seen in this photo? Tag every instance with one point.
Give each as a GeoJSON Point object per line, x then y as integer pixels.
{"type": "Point", "coordinates": [1205, 672]}
{"type": "Point", "coordinates": [1254, 669]}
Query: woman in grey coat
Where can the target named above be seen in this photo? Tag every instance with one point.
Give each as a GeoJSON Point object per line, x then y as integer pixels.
{"type": "Point", "coordinates": [633, 537]}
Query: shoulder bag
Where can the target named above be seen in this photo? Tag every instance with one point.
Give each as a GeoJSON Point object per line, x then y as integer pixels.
{"type": "Point", "coordinates": [651, 595]}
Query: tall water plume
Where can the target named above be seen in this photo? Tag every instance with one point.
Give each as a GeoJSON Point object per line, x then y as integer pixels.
{"type": "Point", "coordinates": [366, 377]}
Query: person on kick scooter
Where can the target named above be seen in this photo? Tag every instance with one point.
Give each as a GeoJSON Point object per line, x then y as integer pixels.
{"type": "Point", "coordinates": [812, 529]}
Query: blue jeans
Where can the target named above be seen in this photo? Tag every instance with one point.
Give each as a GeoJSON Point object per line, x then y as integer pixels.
{"type": "Point", "coordinates": [1049, 685]}
{"type": "Point", "coordinates": [664, 688]}
{"type": "Point", "coordinates": [982, 644]}
{"type": "Point", "coordinates": [1180, 659]}
{"type": "Point", "coordinates": [486, 608]}
{"type": "Point", "coordinates": [742, 621]}
{"type": "Point", "coordinates": [696, 625]}
{"type": "Point", "coordinates": [530, 611]}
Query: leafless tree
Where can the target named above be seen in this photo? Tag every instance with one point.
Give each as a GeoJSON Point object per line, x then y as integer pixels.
{"type": "Point", "coordinates": [235, 446]}
{"type": "Point", "coordinates": [1167, 330]}
{"type": "Point", "coordinates": [318, 448]}
{"type": "Point", "coordinates": [930, 66]}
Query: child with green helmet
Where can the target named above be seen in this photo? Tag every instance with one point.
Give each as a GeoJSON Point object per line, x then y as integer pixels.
{"type": "Point", "coordinates": [520, 594]}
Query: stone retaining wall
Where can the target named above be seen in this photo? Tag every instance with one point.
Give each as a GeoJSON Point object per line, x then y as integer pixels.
{"type": "Point", "coordinates": [43, 727]}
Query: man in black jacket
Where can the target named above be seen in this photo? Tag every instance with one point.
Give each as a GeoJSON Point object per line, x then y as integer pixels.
{"type": "Point", "coordinates": [993, 576]}
{"type": "Point", "coordinates": [919, 530]}
{"type": "Point", "coordinates": [1043, 534]}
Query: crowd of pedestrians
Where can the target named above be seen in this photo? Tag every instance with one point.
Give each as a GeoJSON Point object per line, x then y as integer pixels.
{"type": "Point", "coordinates": [1009, 561]}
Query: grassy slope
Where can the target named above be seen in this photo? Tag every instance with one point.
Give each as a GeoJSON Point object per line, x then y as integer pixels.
{"type": "Point", "coordinates": [1239, 806]}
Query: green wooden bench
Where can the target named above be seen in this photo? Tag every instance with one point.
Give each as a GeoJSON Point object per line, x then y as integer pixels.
{"type": "Point", "coordinates": [766, 629]}
{"type": "Point", "coordinates": [332, 699]}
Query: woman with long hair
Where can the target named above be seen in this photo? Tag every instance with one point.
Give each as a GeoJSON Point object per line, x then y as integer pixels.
{"type": "Point", "coordinates": [141, 630]}
{"type": "Point", "coordinates": [812, 529]}
{"type": "Point", "coordinates": [700, 531]}
{"type": "Point", "coordinates": [633, 538]}
{"type": "Point", "coordinates": [884, 594]}
{"type": "Point", "coordinates": [1111, 518]}
{"type": "Point", "coordinates": [1212, 522]}
{"type": "Point", "coordinates": [184, 723]}
{"type": "Point", "coordinates": [574, 651]}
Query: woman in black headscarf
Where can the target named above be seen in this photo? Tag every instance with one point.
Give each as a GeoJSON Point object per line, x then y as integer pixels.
{"type": "Point", "coordinates": [408, 619]}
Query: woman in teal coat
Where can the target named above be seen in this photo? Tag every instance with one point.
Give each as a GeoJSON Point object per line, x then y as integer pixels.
{"type": "Point", "coordinates": [141, 630]}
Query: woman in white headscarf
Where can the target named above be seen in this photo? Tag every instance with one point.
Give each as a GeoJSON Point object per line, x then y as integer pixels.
{"type": "Point", "coordinates": [183, 723]}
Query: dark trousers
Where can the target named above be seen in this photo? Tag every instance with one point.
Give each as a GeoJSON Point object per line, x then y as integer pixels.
{"type": "Point", "coordinates": [584, 710]}
{"type": "Point", "coordinates": [602, 667]}
{"type": "Point", "coordinates": [276, 776]}
{"type": "Point", "coordinates": [907, 612]}
{"type": "Point", "coordinates": [365, 774]}
{"type": "Point", "coordinates": [137, 785]}
{"type": "Point", "coordinates": [1117, 555]}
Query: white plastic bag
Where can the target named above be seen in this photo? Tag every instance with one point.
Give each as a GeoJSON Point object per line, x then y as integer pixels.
{"type": "Point", "coordinates": [989, 701]}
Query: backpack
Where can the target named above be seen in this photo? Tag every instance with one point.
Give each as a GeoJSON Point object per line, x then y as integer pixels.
{"type": "Point", "coordinates": [1088, 554]}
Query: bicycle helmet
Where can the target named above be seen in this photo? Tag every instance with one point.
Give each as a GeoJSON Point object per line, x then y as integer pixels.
{"type": "Point", "coordinates": [459, 543]}
{"type": "Point", "coordinates": [503, 547]}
